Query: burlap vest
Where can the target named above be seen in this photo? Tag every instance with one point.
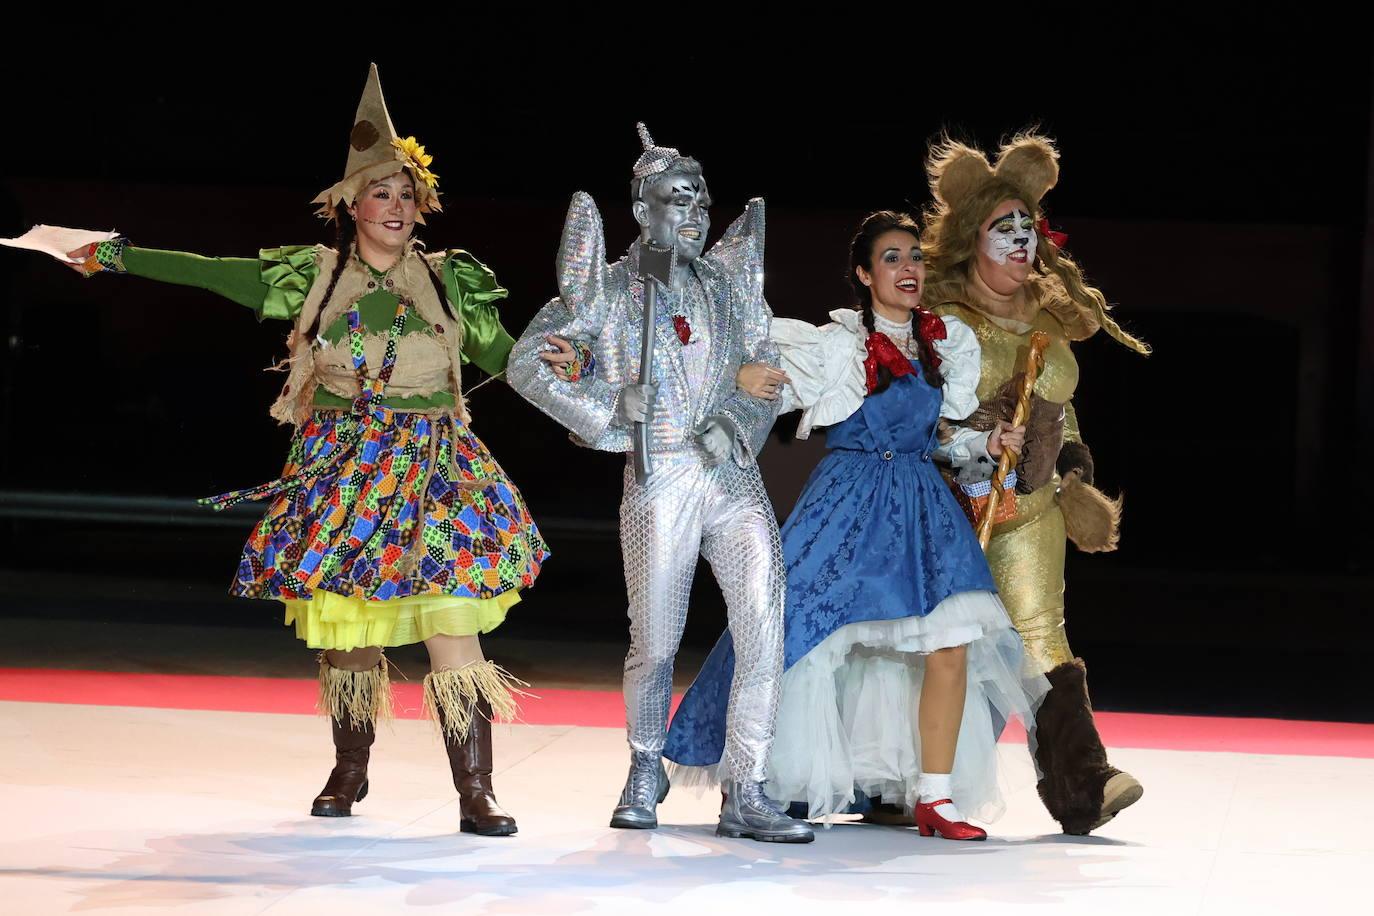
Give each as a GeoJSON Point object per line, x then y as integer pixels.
{"type": "Point", "coordinates": [426, 361]}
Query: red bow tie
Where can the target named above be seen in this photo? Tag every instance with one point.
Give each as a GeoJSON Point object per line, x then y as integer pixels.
{"type": "Point", "coordinates": [883, 352]}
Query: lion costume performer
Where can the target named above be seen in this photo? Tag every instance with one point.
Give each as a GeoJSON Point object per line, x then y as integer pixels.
{"type": "Point", "coordinates": [996, 266]}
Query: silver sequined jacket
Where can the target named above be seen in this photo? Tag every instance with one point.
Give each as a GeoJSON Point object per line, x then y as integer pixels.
{"type": "Point", "coordinates": [602, 305]}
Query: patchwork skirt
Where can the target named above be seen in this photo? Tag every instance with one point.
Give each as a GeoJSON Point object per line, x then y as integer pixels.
{"type": "Point", "coordinates": [414, 530]}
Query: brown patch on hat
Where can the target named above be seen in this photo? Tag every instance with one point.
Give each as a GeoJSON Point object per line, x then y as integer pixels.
{"type": "Point", "coordinates": [364, 135]}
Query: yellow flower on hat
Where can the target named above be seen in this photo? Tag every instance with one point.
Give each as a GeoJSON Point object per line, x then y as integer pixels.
{"type": "Point", "coordinates": [410, 149]}
{"type": "Point", "coordinates": [412, 153]}
{"type": "Point", "coordinates": [430, 179]}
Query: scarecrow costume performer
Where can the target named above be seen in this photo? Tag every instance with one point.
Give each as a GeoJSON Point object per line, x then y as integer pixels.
{"type": "Point", "coordinates": [391, 523]}
{"type": "Point", "coordinates": [995, 265]}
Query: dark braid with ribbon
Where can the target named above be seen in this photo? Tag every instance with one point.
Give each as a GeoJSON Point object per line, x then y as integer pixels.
{"type": "Point", "coordinates": [923, 323]}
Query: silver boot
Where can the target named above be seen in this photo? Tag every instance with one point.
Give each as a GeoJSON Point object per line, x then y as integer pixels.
{"type": "Point", "coordinates": [748, 814]}
{"type": "Point", "coordinates": [645, 787]}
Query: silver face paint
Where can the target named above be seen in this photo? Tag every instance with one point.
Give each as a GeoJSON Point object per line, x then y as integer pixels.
{"type": "Point", "coordinates": [1011, 238]}
{"type": "Point", "coordinates": [677, 209]}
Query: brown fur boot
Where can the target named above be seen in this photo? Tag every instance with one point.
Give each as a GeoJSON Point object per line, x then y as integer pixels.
{"type": "Point", "coordinates": [1072, 761]}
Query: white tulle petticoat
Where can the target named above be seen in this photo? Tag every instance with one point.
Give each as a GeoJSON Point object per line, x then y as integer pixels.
{"type": "Point", "coordinates": [847, 716]}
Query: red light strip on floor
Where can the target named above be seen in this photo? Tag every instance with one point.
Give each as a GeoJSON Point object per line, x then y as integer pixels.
{"type": "Point", "coordinates": [606, 709]}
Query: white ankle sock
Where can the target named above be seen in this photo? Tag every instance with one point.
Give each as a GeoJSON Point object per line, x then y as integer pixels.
{"type": "Point", "coordinates": [933, 787]}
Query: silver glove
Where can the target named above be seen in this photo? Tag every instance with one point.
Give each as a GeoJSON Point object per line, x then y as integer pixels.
{"type": "Point", "coordinates": [716, 441]}
{"type": "Point", "coordinates": [635, 404]}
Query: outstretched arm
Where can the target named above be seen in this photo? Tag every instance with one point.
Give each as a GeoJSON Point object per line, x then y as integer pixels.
{"type": "Point", "coordinates": [273, 285]}
{"type": "Point", "coordinates": [236, 279]}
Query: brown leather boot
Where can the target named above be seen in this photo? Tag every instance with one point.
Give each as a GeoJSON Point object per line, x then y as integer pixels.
{"type": "Point", "coordinates": [354, 701]}
{"type": "Point", "coordinates": [348, 780]}
{"type": "Point", "coordinates": [469, 757]}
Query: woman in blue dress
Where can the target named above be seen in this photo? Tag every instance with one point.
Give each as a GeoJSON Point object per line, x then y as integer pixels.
{"type": "Point", "coordinates": [902, 665]}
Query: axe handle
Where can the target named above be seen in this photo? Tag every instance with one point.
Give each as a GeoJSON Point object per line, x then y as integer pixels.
{"type": "Point", "coordinates": [643, 467]}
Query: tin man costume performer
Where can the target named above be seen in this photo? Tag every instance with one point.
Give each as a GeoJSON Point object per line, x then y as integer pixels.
{"type": "Point", "coordinates": [704, 494]}
{"type": "Point", "coordinates": [995, 265]}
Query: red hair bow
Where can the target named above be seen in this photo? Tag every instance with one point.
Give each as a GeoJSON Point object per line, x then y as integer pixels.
{"type": "Point", "coordinates": [1058, 239]}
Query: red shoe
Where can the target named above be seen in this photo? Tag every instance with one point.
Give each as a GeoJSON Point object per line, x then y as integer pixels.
{"type": "Point", "coordinates": [928, 822]}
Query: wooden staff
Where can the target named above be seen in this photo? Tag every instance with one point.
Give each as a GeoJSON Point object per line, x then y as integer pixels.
{"type": "Point", "coordinates": [1034, 357]}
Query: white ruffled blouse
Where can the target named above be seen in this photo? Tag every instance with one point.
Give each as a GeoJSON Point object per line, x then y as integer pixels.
{"type": "Point", "coordinates": [826, 366]}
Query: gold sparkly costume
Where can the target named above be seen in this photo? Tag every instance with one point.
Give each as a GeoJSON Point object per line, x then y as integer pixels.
{"type": "Point", "coordinates": [1027, 551]}
{"type": "Point", "coordinates": [1055, 498]}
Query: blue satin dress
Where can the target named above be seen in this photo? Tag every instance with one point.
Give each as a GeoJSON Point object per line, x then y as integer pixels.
{"type": "Point", "coordinates": [876, 535]}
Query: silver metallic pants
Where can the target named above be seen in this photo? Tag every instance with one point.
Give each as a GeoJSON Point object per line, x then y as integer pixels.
{"type": "Point", "coordinates": [724, 514]}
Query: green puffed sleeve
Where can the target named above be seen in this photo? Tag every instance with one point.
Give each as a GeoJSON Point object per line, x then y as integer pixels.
{"type": "Point", "coordinates": [474, 292]}
{"type": "Point", "coordinates": [287, 273]}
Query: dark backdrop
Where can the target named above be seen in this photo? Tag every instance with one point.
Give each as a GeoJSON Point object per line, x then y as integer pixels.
{"type": "Point", "coordinates": [1215, 183]}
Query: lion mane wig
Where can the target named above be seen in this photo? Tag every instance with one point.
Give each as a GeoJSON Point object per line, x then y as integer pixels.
{"type": "Point", "coordinates": [966, 188]}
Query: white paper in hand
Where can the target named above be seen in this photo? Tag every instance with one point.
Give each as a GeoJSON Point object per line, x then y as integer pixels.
{"type": "Point", "coordinates": [58, 241]}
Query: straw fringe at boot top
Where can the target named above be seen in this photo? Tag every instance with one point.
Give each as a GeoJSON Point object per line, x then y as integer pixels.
{"type": "Point", "coordinates": [354, 701]}
{"type": "Point", "coordinates": [358, 697]}
{"type": "Point", "coordinates": [463, 701]}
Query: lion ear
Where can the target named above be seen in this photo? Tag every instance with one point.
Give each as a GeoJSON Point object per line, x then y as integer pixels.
{"type": "Point", "coordinates": [1029, 163]}
{"type": "Point", "coordinates": [956, 171]}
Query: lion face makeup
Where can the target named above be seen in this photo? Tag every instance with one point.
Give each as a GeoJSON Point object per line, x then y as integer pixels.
{"type": "Point", "coordinates": [1006, 250]}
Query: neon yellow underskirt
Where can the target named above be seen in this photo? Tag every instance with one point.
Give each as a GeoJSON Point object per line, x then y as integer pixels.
{"type": "Point", "coordinates": [330, 621]}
